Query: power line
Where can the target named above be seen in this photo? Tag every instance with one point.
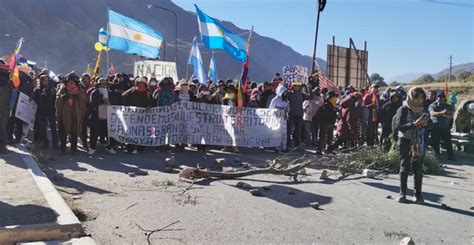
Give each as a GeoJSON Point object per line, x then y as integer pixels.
{"type": "Point", "coordinates": [450, 3]}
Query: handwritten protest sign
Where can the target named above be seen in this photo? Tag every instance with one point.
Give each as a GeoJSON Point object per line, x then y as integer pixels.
{"type": "Point", "coordinates": [197, 123]}
{"type": "Point", "coordinates": [26, 109]}
{"type": "Point", "coordinates": [160, 69]}
{"type": "Point", "coordinates": [295, 73]}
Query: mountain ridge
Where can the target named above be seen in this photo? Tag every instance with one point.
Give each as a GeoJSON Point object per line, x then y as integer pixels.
{"type": "Point", "coordinates": [456, 70]}
{"type": "Point", "coordinates": [62, 34]}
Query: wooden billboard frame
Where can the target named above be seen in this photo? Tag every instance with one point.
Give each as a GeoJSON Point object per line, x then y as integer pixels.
{"type": "Point", "coordinates": [348, 66]}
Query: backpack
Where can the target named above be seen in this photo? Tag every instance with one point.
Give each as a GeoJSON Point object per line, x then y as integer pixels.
{"type": "Point", "coordinates": [166, 98]}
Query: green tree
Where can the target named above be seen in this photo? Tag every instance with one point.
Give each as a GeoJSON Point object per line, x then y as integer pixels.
{"type": "Point", "coordinates": [427, 78]}
{"type": "Point", "coordinates": [377, 79]}
{"type": "Point", "coordinates": [464, 76]}
{"type": "Point", "coordinates": [446, 78]}
{"type": "Point", "coordinates": [394, 84]}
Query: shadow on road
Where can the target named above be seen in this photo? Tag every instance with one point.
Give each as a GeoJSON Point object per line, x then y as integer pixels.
{"type": "Point", "coordinates": [428, 196]}
{"type": "Point", "coordinates": [291, 196]}
{"type": "Point", "coordinates": [25, 214]}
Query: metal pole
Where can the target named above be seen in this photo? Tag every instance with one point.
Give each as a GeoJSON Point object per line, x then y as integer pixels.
{"type": "Point", "coordinates": [450, 68]}
{"type": "Point", "coordinates": [164, 50]}
{"type": "Point", "coordinates": [315, 41]}
{"type": "Point", "coordinates": [360, 60]}
{"type": "Point", "coordinates": [175, 29]}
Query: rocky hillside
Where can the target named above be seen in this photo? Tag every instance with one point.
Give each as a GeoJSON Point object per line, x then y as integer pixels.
{"type": "Point", "coordinates": [61, 34]}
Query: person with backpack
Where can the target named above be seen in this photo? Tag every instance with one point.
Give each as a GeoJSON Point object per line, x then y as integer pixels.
{"type": "Point", "coordinates": [408, 125]}
{"type": "Point", "coordinates": [164, 95]}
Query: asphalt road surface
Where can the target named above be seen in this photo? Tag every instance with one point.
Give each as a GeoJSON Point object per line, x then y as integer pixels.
{"type": "Point", "coordinates": [354, 210]}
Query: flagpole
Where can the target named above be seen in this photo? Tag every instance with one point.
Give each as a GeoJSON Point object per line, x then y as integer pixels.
{"type": "Point", "coordinates": [187, 63]}
{"type": "Point", "coordinates": [107, 49]}
{"type": "Point", "coordinates": [247, 62]}
{"type": "Point", "coordinates": [187, 71]}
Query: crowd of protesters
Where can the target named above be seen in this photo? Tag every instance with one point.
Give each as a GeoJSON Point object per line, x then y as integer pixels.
{"type": "Point", "coordinates": [73, 107]}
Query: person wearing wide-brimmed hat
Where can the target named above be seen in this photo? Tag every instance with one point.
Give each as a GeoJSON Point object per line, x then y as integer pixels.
{"type": "Point", "coordinates": [230, 97]}
{"type": "Point", "coordinates": [70, 111]}
{"type": "Point", "coordinates": [164, 95]}
{"type": "Point", "coordinates": [183, 91]}
{"type": "Point", "coordinates": [45, 97]}
{"type": "Point", "coordinates": [99, 100]}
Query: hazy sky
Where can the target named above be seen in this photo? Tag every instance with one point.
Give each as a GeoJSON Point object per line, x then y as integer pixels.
{"type": "Point", "coordinates": [403, 35]}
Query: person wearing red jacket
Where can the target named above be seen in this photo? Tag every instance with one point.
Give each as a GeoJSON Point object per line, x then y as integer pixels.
{"type": "Point", "coordinates": [348, 122]}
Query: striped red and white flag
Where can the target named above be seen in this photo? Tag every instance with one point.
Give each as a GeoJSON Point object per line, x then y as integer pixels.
{"type": "Point", "coordinates": [324, 81]}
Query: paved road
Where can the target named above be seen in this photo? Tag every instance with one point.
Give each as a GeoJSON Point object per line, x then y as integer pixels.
{"type": "Point", "coordinates": [21, 202]}
{"type": "Point", "coordinates": [353, 211]}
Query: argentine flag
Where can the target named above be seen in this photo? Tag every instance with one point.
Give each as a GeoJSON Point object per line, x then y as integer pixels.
{"type": "Point", "coordinates": [196, 60]}
{"type": "Point", "coordinates": [213, 70]}
{"type": "Point", "coordinates": [215, 36]}
{"type": "Point", "coordinates": [133, 37]}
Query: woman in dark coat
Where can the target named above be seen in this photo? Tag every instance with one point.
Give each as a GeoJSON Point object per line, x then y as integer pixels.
{"type": "Point", "coordinates": [99, 100]}
{"type": "Point", "coordinates": [45, 97]}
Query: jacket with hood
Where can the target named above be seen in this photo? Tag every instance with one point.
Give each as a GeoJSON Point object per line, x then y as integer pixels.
{"type": "Point", "coordinates": [279, 102]}
{"type": "Point", "coordinates": [296, 104]}
{"type": "Point", "coordinates": [388, 110]}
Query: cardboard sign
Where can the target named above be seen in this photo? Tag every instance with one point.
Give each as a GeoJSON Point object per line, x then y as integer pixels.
{"type": "Point", "coordinates": [197, 123]}
{"type": "Point", "coordinates": [26, 109]}
{"type": "Point", "coordinates": [159, 69]}
{"type": "Point", "coordinates": [295, 73]}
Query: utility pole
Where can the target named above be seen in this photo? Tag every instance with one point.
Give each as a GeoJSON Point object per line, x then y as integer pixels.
{"type": "Point", "coordinates": [175, 31]}
{"type": "Point", "coordinates": [321, 5]}
{"type": "Point", "coordinates": [450, 67]}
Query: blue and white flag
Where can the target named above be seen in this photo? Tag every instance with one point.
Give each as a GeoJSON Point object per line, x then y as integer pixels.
{"type": "Point", "coordinates": [133, 37]}
{"type": "Point", "coordinates": [213, 70]}
{"type": "Point", "coordinates": [215, 36]}
{"type": "Point", "coordinates": [195, 59]}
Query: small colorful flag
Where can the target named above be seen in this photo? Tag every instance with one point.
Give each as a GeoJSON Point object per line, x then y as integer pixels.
{"type": "Point", "coordinates": [15, 77]}
{"type": "Point", "coordinates": [97, 65]}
